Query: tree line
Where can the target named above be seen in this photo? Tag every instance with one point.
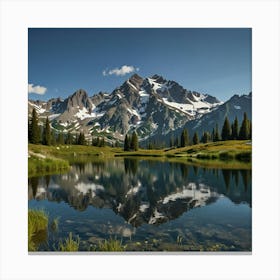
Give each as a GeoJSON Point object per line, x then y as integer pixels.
{"type": "Point", "coordinates": [229, 132]}
{"type": "Point", "coordinates": [131, 142]}
{"type": "Point", "coordinates": [47, 136]}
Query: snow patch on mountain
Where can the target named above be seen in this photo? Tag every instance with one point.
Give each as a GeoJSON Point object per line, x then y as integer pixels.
{"type": "Point", "coordinates": [85, 188]}
{"type": "Point", "coordinates": [201, 194]}
{"type": "Point", "coordinates": [156, 216]}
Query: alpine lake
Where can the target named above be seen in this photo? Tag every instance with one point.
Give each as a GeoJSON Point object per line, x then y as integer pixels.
{"type": "Point", "coordinates": [147, 204]}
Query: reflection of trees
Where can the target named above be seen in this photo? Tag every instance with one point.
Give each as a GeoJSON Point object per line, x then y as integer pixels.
{"type": "Point", "coordinates": [47, 180]}
{"type": "Point", "coordinates": [246, 177]}
{"type": "Point", "coordinates": [131, 165]}
{"type": "Point", "coordinates": [235, 175]}
{"type": "Point", "coordinates": [226, 175]}
{"type": "Point", "coordinates": [81, 167]}
{"type": "Point", "coordinates": [34, 181]}
{"type": "Point", "coordinates": [130, 183]}
{"type": "Point", "coordinates": [184, 170]}
{"type": "Point", "coordinates": [98, 166]}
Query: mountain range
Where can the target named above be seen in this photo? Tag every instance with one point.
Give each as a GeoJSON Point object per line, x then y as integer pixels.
{"type": "Point", "coordinates": [153, 107]}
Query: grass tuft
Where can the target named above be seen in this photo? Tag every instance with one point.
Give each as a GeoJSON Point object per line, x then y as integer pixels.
{"type": "Point", "coordinates": [70, 244]}
{"type": "Point", "coordinates": [37, 165]}
{"type": "Point", "coordinates": [37, 224]}
{"type": "Point", "coordinates": [111, 245]}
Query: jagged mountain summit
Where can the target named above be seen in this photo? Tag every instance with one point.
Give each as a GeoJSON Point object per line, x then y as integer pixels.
{"type": "Point", "coordinates": [151, 106]}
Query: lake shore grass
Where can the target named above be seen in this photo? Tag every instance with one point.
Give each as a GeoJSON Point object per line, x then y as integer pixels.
{"type": "Point", "coordinates": [69, 244]}
{"type": "Point", "coordinates": [37, 227]}
{"type": "Point", "coordinates": [46, 165]}
{"type": "Point", "coordinates": [223, 154]}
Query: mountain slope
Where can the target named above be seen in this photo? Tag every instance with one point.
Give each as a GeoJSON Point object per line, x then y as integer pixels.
{"type": "Point", "coordinates": [151, 106]}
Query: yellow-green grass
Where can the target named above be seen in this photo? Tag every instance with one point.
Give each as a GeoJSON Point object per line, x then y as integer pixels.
{"type": "Point", "coordinates": [57, 158]}
{"type": "Point", "coordinates": [42, 166]}
{"type": "Point", "coordinates": [111, 245]}
{"type": "Point", "coordinates": [222, 150]}
{"type": "Point", "coordinates": [66, 151]}
{"type": "Point", "coordinates": [69, 244]}
{"type": "Point", "coordinates": [37, 228]}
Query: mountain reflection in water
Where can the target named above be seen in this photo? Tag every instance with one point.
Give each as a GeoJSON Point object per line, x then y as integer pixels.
{"type": "Point", "coordinates": [142, 191]}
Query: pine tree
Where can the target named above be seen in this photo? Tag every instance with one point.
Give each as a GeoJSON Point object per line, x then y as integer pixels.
{"type": "Point", "coordinates": [216, 134]}
{"type": "Point", "coordinates": [226, 131]}
{"type": "Point", "coordinates": [60, 139]}
{"type": "Point", "coordinates": [184, 138]}
{"type": "Point", "coordinates": [93, 141]}
{"type": "Point", "coordinates": [212, 135]}
{"type": "Point", "coordinates": [176, 142]}
{"type": "Point", "coordinates": [126, 143]}
{"type": "Point", "coordinates": [244, 132]}
{"type": "Point", "coordinates": [53, 138]}
{"type": "Point", "coordinates": [134, 141]}
{"type": "Point", "coordinates": [172, 141]}
{"type": "Point", "coordinates": [195, 138]}
{"type": "Point", "coordinates": [81, 139]}
{"type": "Point", "coordinates": [47, 133]}
{"type": "Point", "coordinates": [76, 139]}
{"type": "Point", "coordinates": [102, 142]}
{"type": "Point", "coordinates": [29, 130]}
{"type": "Point", "coordinates": [35, 130]}
{"type": "Point", "coordinates": [205, 137]}
{"type": "Point", "coordinates": [69, 138]}
{"type": "Point", "coordinates": [235, 129]}
{"type": "Point", "coordinates": [250, 130]}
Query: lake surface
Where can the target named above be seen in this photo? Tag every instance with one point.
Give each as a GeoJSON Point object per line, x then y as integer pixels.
{"type": "Point", "coordinates": [150, 205]}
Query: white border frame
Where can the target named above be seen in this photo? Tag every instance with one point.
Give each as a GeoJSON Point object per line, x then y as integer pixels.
{"type": "Point", "coordinates": [17, 16]}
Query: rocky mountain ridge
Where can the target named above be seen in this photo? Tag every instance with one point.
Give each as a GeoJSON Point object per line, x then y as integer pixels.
{"type": "Point", "coordinates": [153, 107]}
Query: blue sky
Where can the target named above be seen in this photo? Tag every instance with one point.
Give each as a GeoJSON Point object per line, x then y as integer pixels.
{"type": "Point", "coordinates": [215, 61]}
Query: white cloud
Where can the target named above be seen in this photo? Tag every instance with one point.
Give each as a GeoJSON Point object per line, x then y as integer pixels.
{"type": "Point", "coordinates": [36, 89]}
{"type": "Point", "coordinates": [125, 69]}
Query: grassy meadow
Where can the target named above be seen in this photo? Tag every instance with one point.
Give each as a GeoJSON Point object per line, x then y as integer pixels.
{"type": "Point", "coordinates": [56, 159]}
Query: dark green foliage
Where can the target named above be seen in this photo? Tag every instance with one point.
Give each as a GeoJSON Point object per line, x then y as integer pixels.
{"type": "Point", "coordinates": [102, 142]}
{"type": "Point", "coordinates": [216, 134]}
{"type": "Point", "coordinates": [34, 128]}
{"type": "Point", "coordinates": [96, 142]}
{"type": "Point", "coordinates": [244, 133]}
{"type": "Point", "coordinates": [29, 130]}
{"type": "Point", "coordinates": [213, 135]}
{"type": "Point", "coordinates": [226, 130]}
{"type": "Point", "coordinates": [184, 138]}
{"type": "Point", "coordinates": [47, 133]}
{"type": "Point", "coordinates": [250, 130]}
{"type": "Point", "coordinates": [81, 139]}
{"type": "Point", "coordinates": [172, 141]}
{"type": "Point", "coordinates": [244, 156]}
{"type": "Point", "coordinates": [206, 137]}
{"type": "Point", "coordinates": [60, 139]}
{"type": "Point", "coordinates": [126, 143]}
{"type": "Point", "coordinates": [77, 139]}
{"type": "Point", "coordinates": [53, 138]}
{"type": "Point", "coordinates": [235, 129]}
{"type": "Point", "coordinates": [93, 141]}
{"type": "Point", "coordinates": [131, 142]}
{"type": "Point", "coordinates": [176, 143]}
{"type": "Point", "coordinates": [195, 138]}
{"type": "Point", "coordinates": [69, 139]}
{"type": "Point", "coordinates": [151, 145]}
{"type": "Point", "coordinates": [134, 141]}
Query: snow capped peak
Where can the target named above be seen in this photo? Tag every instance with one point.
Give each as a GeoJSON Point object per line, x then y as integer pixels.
{"type": "Point", "coordinates": [151, 106]}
